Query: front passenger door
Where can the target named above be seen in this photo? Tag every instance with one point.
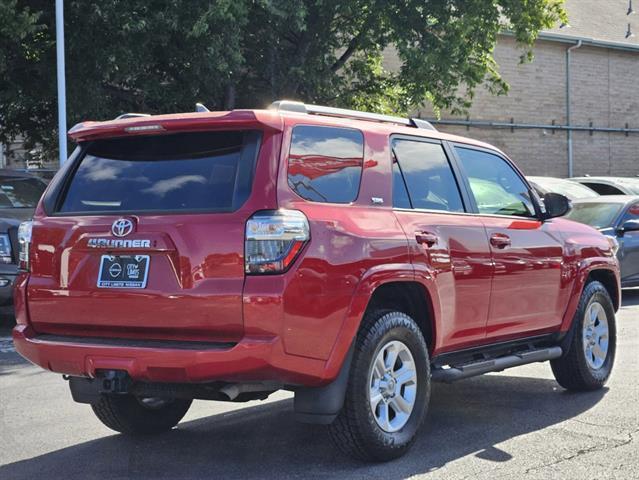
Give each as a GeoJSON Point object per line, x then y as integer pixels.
{"type": "Point", "coordinates": [527, 293]}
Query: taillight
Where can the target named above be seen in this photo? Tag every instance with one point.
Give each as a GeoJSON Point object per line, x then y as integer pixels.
{"type": "Point", "coordinates": [273, 240]}
{"type": "Point", "coordinates": [24, 244]}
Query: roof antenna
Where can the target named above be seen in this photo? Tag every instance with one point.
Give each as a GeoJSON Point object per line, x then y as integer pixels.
{"type": "Point", "coordinates": [199, 107]}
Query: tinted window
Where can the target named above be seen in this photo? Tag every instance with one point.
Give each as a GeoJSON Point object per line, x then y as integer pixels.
{"type": "Point", "coordinates": [325, 163]}
{"type": "Point", "coordinates": [495, 185]}
{"type": "Point", "coordinates": [604, 189]}
{"type": "Point", "coordinates": [189, 171]}
{"type": "Point", "coordinates": [430, 181]}
{"type": "Point", "coordinates": [20, 192]}
{"type": "Point", "coordinates": [400, 194]}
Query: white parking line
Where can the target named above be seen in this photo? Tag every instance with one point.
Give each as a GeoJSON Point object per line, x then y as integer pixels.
{"type": "Point", "coordinates": [6, 345]}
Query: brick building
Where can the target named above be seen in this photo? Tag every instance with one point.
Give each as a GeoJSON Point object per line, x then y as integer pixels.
{"type": "Point", "coordinates": [603, 93]}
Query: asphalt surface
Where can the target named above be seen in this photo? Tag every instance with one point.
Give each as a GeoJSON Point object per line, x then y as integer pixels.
{"type": "Point", "coordinates": [516, 424]}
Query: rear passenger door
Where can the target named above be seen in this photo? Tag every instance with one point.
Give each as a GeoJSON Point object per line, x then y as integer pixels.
{"type": "Point", "coordinates": [527, 293]}
{"type": "Point", "coordinates": [449, 248]}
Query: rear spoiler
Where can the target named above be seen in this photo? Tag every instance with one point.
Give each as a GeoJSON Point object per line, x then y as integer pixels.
{"type": "Point", "coordinates": [182, 122]}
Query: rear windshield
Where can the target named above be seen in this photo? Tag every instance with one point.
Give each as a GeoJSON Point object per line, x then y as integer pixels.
{"type": "Point", "coordinates": [598, 215]}
{"type": "Point", "coordinates": [568, 188]}
{"type": "Point", "coordinates": [203, 171]}
{"type": "Point", "coordinates": [20, 192]}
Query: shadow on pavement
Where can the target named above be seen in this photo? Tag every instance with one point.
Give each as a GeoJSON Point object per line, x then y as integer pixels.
{"type": "Point", "coordinates": [629, 297]}
{"type": "Point", "coordinates": [468, 418]}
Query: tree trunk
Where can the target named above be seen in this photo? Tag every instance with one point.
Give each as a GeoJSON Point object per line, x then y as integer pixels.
{"type": "Point", "coordinates": [229, 101]}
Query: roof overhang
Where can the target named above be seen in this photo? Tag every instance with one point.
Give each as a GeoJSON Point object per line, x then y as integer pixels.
{"type": "Point", "coordinates": [586, 41]}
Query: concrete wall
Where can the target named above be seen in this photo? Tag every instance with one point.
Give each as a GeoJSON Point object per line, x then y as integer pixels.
{"type": "Point", "coordinates": [605, 90]}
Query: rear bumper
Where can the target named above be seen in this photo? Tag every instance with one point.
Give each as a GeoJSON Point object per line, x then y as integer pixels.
{"type": "Point", "coordinates": [252, 359]}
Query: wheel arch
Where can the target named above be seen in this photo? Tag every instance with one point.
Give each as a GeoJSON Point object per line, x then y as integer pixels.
{"type": "Point", "coordinates": [411, 298]}
{"type": "Point", "coordinates": [609, 280]}
{"type": "Point", "coordinates": [604, 272]}
{"type": "Point", "coordinates": [395, 289]}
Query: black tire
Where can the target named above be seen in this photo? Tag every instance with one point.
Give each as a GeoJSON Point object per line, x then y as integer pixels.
{"type": "Point", "coordinates": [572, 370]}
{"type": "Point", "coordinates": [129, 415]}
{"type": "Point", "coordinates": [355, 430]}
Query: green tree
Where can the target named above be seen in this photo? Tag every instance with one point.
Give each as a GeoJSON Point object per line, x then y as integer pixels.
{"type": "Point", "coordinates": [163, 55]}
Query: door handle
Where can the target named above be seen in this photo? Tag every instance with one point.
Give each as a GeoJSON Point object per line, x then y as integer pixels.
{"type": "Point", "coordinates": [426, 238]}
{"type": "Point", "coordinates": [500, 240]}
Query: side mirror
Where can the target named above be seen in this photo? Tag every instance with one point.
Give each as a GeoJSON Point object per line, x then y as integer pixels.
{"type": "Point", "coordinates": [628, 226]}
{"type": "Point", "coordinates": [556, 205]}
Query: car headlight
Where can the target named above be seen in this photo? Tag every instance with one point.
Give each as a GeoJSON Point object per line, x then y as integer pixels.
{"type": "Point", "coordinates": [614, 244]}
{"type": "Point", "coordinates": [5, 249]}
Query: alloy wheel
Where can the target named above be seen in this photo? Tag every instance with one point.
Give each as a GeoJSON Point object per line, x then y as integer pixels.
{"type": "Point", "coordinates": [392, 386]}
{"type": "Point", "coordinates": [595, 335]}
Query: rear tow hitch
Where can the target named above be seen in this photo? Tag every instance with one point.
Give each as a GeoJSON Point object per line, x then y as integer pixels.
{"type": "Point", "coordinates": [113, 381]}
{"type": "Point", "coordinates": [88, 390]}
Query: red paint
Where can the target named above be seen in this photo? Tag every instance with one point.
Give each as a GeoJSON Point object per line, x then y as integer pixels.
{"type": "Point", "coordinates": [527, 290]}
{"type": "Point", "coordinates": [487, 278]}
{"type": "Point", "coordinates": [457, 269]}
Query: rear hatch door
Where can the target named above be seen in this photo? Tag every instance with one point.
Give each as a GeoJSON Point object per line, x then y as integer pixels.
{"type": "Point", "coordinates": [147, 236]}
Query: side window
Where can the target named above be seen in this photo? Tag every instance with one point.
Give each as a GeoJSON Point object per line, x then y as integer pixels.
{"type": "Point", "coordinates": [325, 163]}
{"type": "Point", "coordinates": [495, 185]}
{"type": "Point", "coordinates": [429, 178]}
{"type": "Point", "coordinates": [400, 194]}
{"type": "Point", "coordinates": [604, 189]}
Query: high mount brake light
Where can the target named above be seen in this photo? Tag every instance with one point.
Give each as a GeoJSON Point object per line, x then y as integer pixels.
{"type": "Point", "coordinates": [24, 245]}
{"type": "Point", "coordinates": [273, 240]}
{"type": "Point", "coordinates": [143, 128]}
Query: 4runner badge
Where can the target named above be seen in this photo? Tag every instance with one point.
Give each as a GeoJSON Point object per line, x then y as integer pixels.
{"type": "Point", "coordinates": [118, 243]}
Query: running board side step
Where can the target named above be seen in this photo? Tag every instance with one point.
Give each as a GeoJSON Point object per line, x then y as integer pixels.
{"type": "Point", "coordinates": [472, 369]}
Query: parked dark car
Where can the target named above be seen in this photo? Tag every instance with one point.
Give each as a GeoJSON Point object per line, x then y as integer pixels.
{"type": "Point", "coordinates": [44, 174]}
{"type": "Point", "coordinates": [19, 195]}
{"type": "Point", "coordinates": [616, 216]}
{"type": "Point", "coordinates": [610, 185]}
{"type": "Point", "coordinates": [568, 188]}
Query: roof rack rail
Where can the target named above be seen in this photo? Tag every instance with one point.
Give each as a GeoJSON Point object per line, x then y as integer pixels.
{"type": "Point", "coordinates": [132, 115]}
{"type": "Point", "coordinates": [299, 107]}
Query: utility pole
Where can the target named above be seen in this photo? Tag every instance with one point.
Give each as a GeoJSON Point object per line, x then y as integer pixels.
{"type": "Point", "coordinates": [62, 98]}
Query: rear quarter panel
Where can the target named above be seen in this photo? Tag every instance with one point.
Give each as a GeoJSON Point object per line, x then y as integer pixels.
{"type": "Point", "coordinates": [350, 244]}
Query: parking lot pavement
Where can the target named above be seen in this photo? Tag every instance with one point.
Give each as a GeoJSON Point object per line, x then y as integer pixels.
{"type": "Point", "coordinates": [516, 424]}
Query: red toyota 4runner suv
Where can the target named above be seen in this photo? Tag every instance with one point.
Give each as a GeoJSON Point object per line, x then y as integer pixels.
{"type": "Point", "coordinates": [350, 258]}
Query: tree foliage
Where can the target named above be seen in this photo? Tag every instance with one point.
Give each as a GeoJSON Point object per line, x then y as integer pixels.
{"type": "Point", "coordinates": [162, 56]}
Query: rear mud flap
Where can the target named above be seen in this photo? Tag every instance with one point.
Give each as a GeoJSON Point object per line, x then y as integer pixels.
{"type": "Point", "coordinates": [321, 405]}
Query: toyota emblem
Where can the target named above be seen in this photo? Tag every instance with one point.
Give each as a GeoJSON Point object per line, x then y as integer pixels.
{"type": "Point", "coordinates": [122, 227]}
